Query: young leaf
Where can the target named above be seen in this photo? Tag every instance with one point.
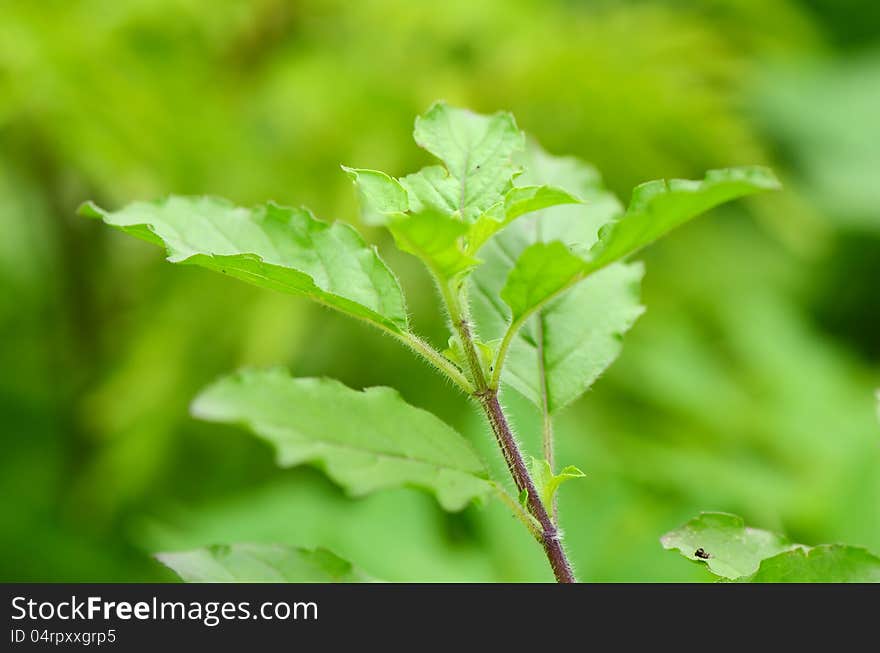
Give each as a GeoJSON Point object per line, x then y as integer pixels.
{"type": "Point", "coordinates": [381, 196]}
{"type": "Point", "coordinates": [455, 353]}
{"type": "Point", "coordinates": [547, 483]}
{"type": "Point", "coordinates": [433, 189]}
{"type": "Point", "coordinates": [426, 231]}
{"type": "Point", "coordinates": [826, 563]}
{"type": "Point", "coordinates": [270, 246]}
{"type": "Point", "coordinates": [541, 271]}
{"type": "Point", "coordinates": [454, 208]}
{"type": "Point", "coordinates": [725, 544]}
{"type": "Point", "coordinates": [749, 555]}
{"type": "Point", "coordinates": [477, 151]}
{"type": "Point", "coordinates": [561, 351]}
{"type": "Point", "coordinates": [521, 200]}
{"type": "Point", "coordinates": [364, 440]}
{"type": "Point", "coordinates": [656, 208]}
{"type": "Point", "coordinates": [436, 239]}
{"type": "Point", "coordinates": [261, 563]}
{"type": "Point", "coordinates": [518, 201]}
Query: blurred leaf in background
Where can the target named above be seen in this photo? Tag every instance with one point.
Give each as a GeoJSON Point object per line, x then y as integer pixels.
{"type": "Point", "coordinates": [746, 387]}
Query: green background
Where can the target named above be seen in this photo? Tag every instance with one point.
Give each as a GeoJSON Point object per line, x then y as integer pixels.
{"type": "Point", "coordinates": [746, 387]}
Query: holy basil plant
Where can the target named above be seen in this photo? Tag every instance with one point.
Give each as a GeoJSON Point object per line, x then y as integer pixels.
{"type": "Point", "coordinates": [532, 259]}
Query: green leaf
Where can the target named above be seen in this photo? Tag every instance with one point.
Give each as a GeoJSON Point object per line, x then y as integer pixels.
{"type": "Point", "coordinates": [433, 189]}
{"type": "Point", "coordinates": [547, 483]}
{"type": "Point", "coordinates": [477, 151]}
{"type": "Point", "coordinates": [541, 271]}
{"type": "Point", "coordinates": [428, 231]}
{"type": "Point", "coordinates": [261, 563]}
{"type": "Point", "coordinates": [564, 348]}
{"type": "Point", "coordinates": [576, 337]}
{"type": "Point", "coordinates": [733, 551]}
{"type": "Point", "coordinates": [271, 246]}
{"type": "Point", "coordinates": [518, 201]}
{"type": "Point", "coordinates": [364, 440]}
{"type": "Point", "coordinates": [436, 239]}
{"type": "Point", "coordinates": [455, 208]}
{"type": "Point", "coordinates": [527, 199]}
{"type": "Point", "coordinates": [380, 196]}
{"type": "Point", "coordinates": [657, 207]}
{"type": "Point", "coordinates": [826, 563]}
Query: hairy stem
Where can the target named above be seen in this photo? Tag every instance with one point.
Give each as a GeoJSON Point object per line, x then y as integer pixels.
{"type": "Point", "coordinates": [461, 323]}
{"type": "Point", "coordinates": [436, 359]}
{"type": "Point", "coordinates": [549, 534]}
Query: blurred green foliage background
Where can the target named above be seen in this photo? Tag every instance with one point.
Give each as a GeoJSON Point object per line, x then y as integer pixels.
{"type": "Point", "coordinates": [746, 387]}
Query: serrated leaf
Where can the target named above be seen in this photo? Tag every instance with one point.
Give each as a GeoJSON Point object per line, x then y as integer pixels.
{"type": "Point", "coordinates": [547, 483]}
{"type": "Point", "coordinates": [455, 208]}
{"type": "Point", "coordinates": [364, 440]}
{"type": "Point", "coordinates": [576, 336]}
{"type": "Point", "coordinates": [477, 151]}
{"type": "Point", "coordinates": [261, 563]}
{"type": "Point", "coordinates": [725, 544]}
{"type": "Point", "coordinates": [734, 551]}
{"type": "Point", "coordinates": [271, 246]}
{"type": "Point", "coordinates": [826, 563]}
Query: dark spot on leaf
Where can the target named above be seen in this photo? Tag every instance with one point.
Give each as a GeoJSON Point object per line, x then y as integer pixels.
{"type": "Point", "coordinates": [701, 554]}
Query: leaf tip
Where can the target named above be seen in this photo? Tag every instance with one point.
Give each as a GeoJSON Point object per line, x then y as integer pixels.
{"type": "Point", "coordinates": [572, 472]}
{"type": "Point", "coordinates": [89, 209]}
{"type": "Point", "coordinates": [351, 172]}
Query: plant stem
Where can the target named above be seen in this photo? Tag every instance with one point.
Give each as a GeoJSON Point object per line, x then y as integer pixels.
{"type": "Point", "coordinates": [501, 355]}
{"type": "Point", "coordinates": [437, 359]}
{"type": "Point", "coordinates": [548, 534]}
{"type": "Point", "coordinates": [546, 419]}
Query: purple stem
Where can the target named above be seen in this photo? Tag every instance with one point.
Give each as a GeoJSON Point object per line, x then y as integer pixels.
{"type": "Point", "coordinates": [550, 537]}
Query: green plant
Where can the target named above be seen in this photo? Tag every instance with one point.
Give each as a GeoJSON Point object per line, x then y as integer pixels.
{"type": "Point", "coordinates": [536, 303]}
{"type": "Point", "coordinates": [733, 552]}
